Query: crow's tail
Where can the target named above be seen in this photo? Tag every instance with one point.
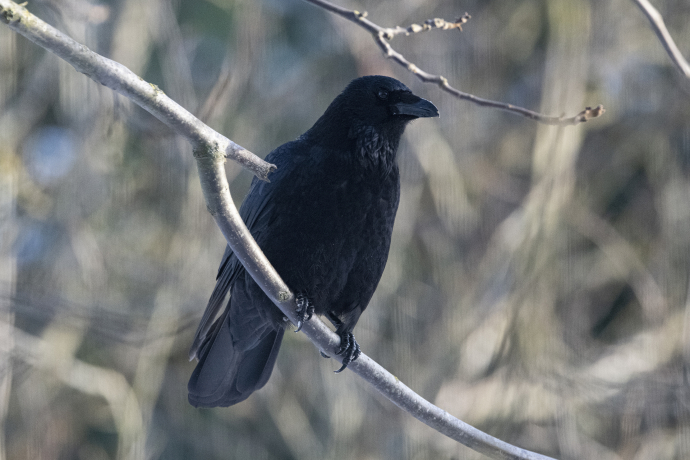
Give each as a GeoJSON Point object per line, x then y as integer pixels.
{"type": "Point", "coordinates": [227, 374]}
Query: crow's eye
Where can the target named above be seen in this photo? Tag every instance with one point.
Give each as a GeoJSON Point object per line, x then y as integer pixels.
{"type": "Point", "coordinates": [382, 94]}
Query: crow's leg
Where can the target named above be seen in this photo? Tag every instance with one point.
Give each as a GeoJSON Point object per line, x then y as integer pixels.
{"type": "Point", "coordinates": [334, 321]}
{"type": "Point", "coordinates": [349, 348]}
{"type": "Point", "coordinates": [305, 310]}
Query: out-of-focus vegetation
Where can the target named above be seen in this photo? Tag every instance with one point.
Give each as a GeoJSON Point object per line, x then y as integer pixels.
{"type": "Point", "coordinates": [537, 286]}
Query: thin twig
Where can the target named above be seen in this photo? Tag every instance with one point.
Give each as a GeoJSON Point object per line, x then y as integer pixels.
{"type": "Point", "coordinates": [657, 22]}
{"type": "Point", "coordinates": [216, 192]}
{"type": "Point", "coordinates": [382, 35]}
{"type": "Point", "coordinates": [429, 24]}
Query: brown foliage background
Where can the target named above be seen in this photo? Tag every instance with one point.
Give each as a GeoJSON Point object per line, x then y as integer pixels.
{"type": "Point", "coordinates": [537, 286]}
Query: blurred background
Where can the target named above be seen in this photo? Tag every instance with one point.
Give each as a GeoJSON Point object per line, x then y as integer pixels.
{"type": "Point", "coordinates": [537, 286]}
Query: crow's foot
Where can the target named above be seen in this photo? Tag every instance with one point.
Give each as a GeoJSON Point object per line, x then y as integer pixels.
{"type": "Point", "coordinates": [305, 310]}
{"type": "Point", "coordinates": [349, 349]}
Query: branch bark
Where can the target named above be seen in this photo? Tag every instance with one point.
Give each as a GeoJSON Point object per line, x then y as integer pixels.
{"type": "Point", "coordinates": [382, 35]}
{"type": "Point", "coordinates": [657, 23]}
{"type": "Point", "coordinates": [210, 150]}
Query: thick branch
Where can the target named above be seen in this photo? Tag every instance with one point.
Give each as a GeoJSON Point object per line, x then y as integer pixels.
{"type": "Point", "coordinates": [209, 149]}
{"type": "Point", "coordinates": [657, 22]}
{"type": "Point", "coordinates": [381, 36]}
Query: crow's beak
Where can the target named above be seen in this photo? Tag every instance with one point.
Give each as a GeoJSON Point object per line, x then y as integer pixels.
{"type": "Point", "coordinates": [415, 108]}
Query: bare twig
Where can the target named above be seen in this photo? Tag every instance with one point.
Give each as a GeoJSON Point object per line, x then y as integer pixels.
{"type": "Point", "coordinates": [429, 24]}
{"type": "Point", "coordinates": [209, 148]}
{"type": "Point", "coordinates": [382, 35]}
{"type": "Point", "coordinates": [657, 22]}
{"type": "Point", "coordinates": [390, 32]}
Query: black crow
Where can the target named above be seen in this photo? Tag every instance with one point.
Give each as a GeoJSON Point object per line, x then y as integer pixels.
{"type": "Point", "coordinates": [324, 221]}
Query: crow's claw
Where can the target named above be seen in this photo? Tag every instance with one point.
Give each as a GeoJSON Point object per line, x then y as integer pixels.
{"type": "Point", "coordinates": [349, 349]}
{"type": "Point", "coordinates": [305, 310]}
{"type": "Point", "coordinates": [324, 355]}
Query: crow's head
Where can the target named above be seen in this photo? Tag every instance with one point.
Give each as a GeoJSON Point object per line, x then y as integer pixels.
{"type": "Point", "coordinates": [370, 113]}
{"type": "Point", "coordinates": [377, 101]}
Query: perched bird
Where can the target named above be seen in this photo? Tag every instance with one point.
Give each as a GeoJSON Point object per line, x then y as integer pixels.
{"type": "Point", "coordinates": [324, 221]}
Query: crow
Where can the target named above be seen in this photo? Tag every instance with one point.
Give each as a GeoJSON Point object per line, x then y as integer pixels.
{"type": "Point", "coordinates": [324, 221]}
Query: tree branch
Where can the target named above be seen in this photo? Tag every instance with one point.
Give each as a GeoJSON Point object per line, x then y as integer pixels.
{"type": "Point", "coordinates": [210, 150]}
{"type": "Point", "coordinates": [382, 35]}
{"type": "Point", "coordinates": [657, 22]}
